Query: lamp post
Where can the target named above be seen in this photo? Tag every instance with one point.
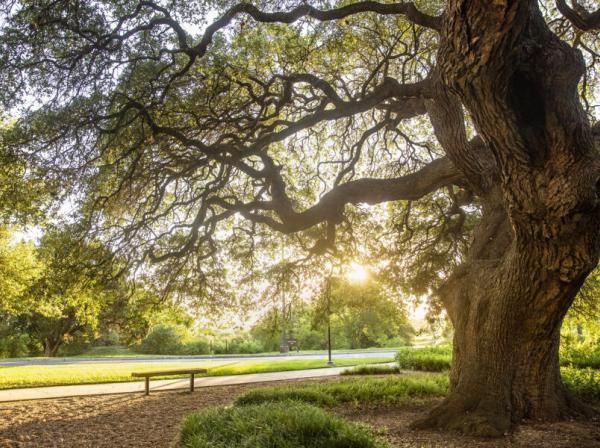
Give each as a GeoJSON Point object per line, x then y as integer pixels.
{"type": "Point", "coordinates": [283, 343]}
{"type": "Point", "coordinates": [328, 294]}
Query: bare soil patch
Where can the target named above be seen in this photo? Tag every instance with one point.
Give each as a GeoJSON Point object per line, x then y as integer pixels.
{"type": "Point", "coordinates": [393, 422]}
{"type": "Point", "coordinates": [132, 420]}
{"type": "Point", "coordinates": [124, 420]}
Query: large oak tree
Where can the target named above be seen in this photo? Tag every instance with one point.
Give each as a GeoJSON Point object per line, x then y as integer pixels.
{"type": "Point", "coordinates": [284, 112]}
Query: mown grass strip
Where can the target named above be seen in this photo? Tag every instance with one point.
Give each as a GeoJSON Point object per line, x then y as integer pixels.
{"type": "Point", "coordinates": [94, 373]}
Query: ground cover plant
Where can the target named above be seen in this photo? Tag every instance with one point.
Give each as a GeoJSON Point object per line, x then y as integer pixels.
{"type": "Point", "coordinates": [90, 373]}
{"type": "Point", "coordinates": [583, 382]}
{"type": "Point", "coordinates": [392, 389]}
{"type": "Point", "coordinates": [439, 358]}
{"type": "Point", "coordinates": [288, 424]}
{"type": "Point", "coordinates": [372, 370]}
{"type": "Point", "coordinates": [429, 359]}
{"type": "Point", "coordinates": [579, 371]}
{"type": "Point", "coordinates": [105, 421]}
{"type": "Point", "coordinates": [581, 358]}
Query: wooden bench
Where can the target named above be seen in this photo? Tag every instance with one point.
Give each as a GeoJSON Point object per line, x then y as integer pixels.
{"type": "Point", "coordinates": [190, 372]}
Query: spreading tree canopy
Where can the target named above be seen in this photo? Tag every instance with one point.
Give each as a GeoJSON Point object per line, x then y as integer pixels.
{"type": "Point", "coordinates": [177, 123]}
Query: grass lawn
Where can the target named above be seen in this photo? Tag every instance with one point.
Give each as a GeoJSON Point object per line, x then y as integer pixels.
{"type": "Point", "coordinates": [98, 372]}
{"type": "Point", "coordinates": [110, 351]}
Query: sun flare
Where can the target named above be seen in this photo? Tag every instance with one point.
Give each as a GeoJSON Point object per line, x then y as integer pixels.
{"type": "Point", "coordinates": [357, 273]}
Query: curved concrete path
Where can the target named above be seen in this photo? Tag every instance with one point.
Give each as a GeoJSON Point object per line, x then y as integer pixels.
{"type": "Point", "coordinates": [37, 393]}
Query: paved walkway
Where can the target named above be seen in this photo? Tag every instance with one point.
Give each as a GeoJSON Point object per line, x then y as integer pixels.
{"type": "Point", "coordinates": [36, 393]}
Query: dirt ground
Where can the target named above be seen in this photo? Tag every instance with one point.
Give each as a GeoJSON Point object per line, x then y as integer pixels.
{"type": "Point", "coordinates": [394, 421]}
{"type": "Point", "coordinates": [132, 420]}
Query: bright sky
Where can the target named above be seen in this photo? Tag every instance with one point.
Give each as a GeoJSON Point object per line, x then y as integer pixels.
{"type": "Point", "coordinates": [418, 312]}
{"type": "Point", "coordinates": [31, 233]}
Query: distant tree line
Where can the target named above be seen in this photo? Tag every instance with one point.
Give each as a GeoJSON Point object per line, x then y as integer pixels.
{"type": "Point", "coordinates": [63, 295]}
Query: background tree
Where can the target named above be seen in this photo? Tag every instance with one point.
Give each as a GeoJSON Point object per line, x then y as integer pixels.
{"type": "Point", "coordinates": [18, 269]}
{"type": "Point", "coordinates": [283, 125]}
{"type": "Point", "coordinates": [74, 287]}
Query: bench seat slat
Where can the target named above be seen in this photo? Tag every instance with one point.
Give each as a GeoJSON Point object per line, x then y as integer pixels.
{"type": "Point", "coordinates": [169, 372]}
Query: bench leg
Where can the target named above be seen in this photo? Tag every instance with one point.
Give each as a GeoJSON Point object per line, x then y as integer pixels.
{"type": "Point", "coordinates": [192, 382]}
{"type": "Point", "coordinates": [147, 385]}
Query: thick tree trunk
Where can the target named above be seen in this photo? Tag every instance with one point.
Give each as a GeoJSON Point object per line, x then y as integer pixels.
{"type": "Point", "coordinates": [51, 347]}
{"type": "Point", "coordinates": [496, 383]}
{"type": "Point", "coordinates": [507, 304]}
{"type": "Point", "coordinates": [505, 363]}
{"type": "Point", "coordinates": [537, 173]}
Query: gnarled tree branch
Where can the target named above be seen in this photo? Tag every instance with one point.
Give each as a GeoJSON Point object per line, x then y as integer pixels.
{"type": "Point", "coordinates": [409, 10]}
{"type": "Point", "coordinates": [437, 174]}
{"type": "Point", "coordinates": [579, 16]}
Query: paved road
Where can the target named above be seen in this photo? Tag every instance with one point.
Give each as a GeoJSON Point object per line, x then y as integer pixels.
{"type": "Point", "coordinates": [36, 393]}
{"type": "Point", "coordinates": [162, 359]}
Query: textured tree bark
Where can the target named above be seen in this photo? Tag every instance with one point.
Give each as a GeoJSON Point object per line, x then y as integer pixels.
{"type": "Point", "coordinates": [539, 235]}
{"type": "Point", "coordinates": [507, 313]}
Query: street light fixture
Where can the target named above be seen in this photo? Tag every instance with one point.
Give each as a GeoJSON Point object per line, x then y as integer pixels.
{"type": "Point", "coordinates": [328, 294]}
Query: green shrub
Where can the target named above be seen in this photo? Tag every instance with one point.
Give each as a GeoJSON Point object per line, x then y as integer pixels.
{"type": "Point", "coordinates": [164, 340]}
{"type": "Point", "coordinates": [74, 345]}
{"type": "Point", "coordinates": [237, 345]}
{"type": "Point", "coordinates": [247, 347]}
{"type": "Point", "coordinates": [109, 351]}
{"type": "Point", "coordinates": [372, 370]}
{"type": "Point", "coordinates": [585, 383]}
{"type": "Point", "coordinates": [588, 357]}
{"type": "Point", "coordinates": [287, 424]}
{"type": "Point", "coordinates": [14, 346]}
{"type": "Point", "coordinates": [197, 346]}
{"type": "Point", "coordinates": [391, 389]}
{"type": "Point", "coordinates": [429, 359]}
{"type": "Point", "coordinates": [108, 339]}
{"type": "Point", "coordinates": [393, 342]}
